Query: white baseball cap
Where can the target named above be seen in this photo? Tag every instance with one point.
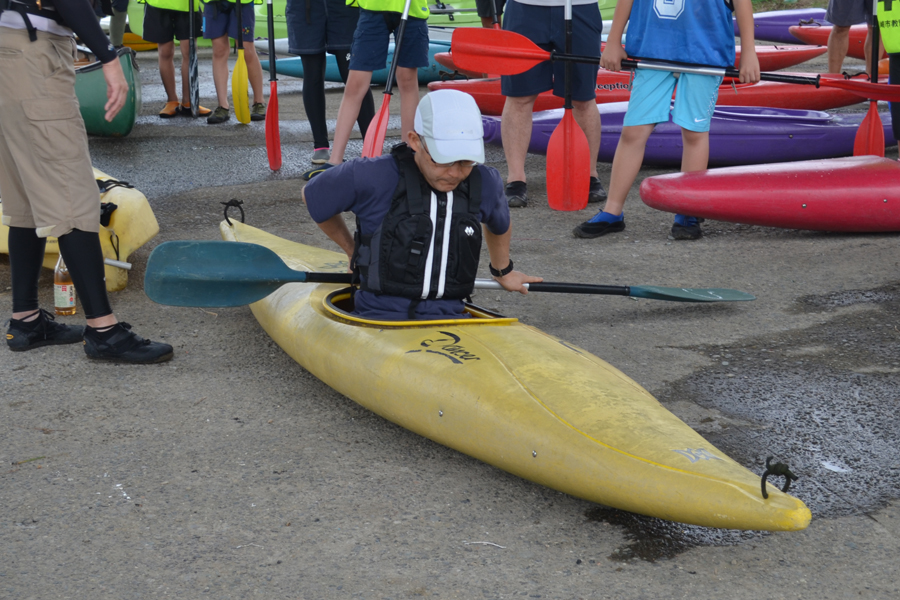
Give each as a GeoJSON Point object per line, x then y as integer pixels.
{"type": "Point", "coordinates": [450, 123]}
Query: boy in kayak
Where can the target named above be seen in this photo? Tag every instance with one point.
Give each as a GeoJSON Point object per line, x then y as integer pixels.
{"type": "Point", "coordinates": [420, 212]}
{"type": "Point", "coordinates": [378, 19]}
{"type": "Point", "coordinates": [699, 32]}
{"type": "Point", "coordinates": [47, 182]}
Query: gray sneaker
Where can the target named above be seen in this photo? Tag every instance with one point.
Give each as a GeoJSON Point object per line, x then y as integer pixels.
{"type": "Point", "coordinates": [220, 115]}
{"type": "Point", "coordinates": [320, 156]}
{"type": "Point", "coordinates": [258, 112]}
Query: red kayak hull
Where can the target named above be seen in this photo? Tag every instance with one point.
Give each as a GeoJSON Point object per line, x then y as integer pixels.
{"type": "Point", "coordinates": [771, 58]}
{"type": "Point", "coordinates": [615, 87]}
{"type": "Point", "coordinates": [818, 35]}
{"type": "Point", "coordinates": [858, 194]}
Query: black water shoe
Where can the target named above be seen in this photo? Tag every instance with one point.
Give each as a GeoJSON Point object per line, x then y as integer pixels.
{"type": "Point", "coordinates": [43, 331]}
{"type": "Point", "coordinates": [120, 344]}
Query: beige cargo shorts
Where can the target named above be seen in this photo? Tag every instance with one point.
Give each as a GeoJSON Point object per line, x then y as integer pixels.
{"type": "Point", "coordinates": [46, 179]}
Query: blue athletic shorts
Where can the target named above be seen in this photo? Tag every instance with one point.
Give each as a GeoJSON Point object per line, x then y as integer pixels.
{"type": "Point", "coordinates": [373, 32]}
{"type": "Point", "coordinates": [329, 29]}
{"type": "Point", "coordinates": [651, 99]}
{"type": "Point", "coordinates": [545, 26]}
{"type": "Point", "coordinates": [220, 18]}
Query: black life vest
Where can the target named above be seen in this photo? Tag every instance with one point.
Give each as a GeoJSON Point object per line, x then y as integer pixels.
{"type": "Point", "coordinates": [428, 244]}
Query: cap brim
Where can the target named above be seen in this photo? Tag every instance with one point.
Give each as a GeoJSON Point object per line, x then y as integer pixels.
{"type": "Point", "coordinates": [451, 151]}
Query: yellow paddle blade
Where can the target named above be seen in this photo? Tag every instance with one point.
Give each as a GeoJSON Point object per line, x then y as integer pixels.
{"type": "Point", "coordinates": [239, 92]}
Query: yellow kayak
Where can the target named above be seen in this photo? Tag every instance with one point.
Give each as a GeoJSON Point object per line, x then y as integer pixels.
{"type": "Point", "coordinates": [517, 398]}
{"type": "Point", "coordinates": [131, 225]}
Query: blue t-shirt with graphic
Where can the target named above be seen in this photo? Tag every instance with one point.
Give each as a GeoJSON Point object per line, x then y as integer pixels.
{"type": "Point", "coordinates": [365, 187]}
{"type": "Point", "coordinates": [690, 31]}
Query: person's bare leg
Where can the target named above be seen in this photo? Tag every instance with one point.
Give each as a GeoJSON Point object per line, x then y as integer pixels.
{"type": "Point", "coordinates": [167, 69]}
{"type": "Point", "coordinates": [838, 44]}
{"type": "Point", "coordinates": [254, 72]}
{"type": "Point", "coordinates": [354, 91]}
{"type": "Point", "coordinates": [515, 131]}
{"type": "Point", "coordinates": [626, 164]}
{"type": "Point", "coordinates": [588, 118]}
{"type": "Point", "coordinates": [221, 49]}
{"type": "Point", "coordinates": [408, 83]}
{"type": "Point", "coordinates": [185, 72]}
{"type": "Point", "coordinates": [695, 156]}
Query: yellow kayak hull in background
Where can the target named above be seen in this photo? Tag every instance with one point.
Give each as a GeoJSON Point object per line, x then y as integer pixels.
{"type": "Point", "coordinates": [131, 225]}
{"type": "Point", "coordinates": [517, 398]}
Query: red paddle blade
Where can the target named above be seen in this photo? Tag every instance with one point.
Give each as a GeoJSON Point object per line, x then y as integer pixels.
{"type": "Point", "coordinates": [870, 135]}
{"type": "Point", "coordinates": [495, 51]}
{"type": "Point", "coordinates": [866, 89]}
{"type": "Point", "coordinates": [273, 135]}
{"type": "Point", "coordinates": [373, 144]}
{"type": "Point", "coordinates": [568, 166]}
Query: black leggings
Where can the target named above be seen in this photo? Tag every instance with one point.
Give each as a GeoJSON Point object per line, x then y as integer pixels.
{"type": "Point", "coordinates": [84, 258]}
{"type": "Point", "coordinates": [314, 96]}
{"type": "Point", "coordinates": [895, 106]}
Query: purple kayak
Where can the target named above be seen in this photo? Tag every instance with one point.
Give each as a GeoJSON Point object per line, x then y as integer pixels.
{"type": "Point", "coordinates": [739, 135]}
{"type": "Point", "coordinates": [773, 26]}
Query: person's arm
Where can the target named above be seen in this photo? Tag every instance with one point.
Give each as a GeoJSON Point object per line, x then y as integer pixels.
{"type": "Point", "coordinates": [498, 248]}
{"type": "Point", "coordinates": [336, 229]}
{"type": "Point", "coordinates": [743, 11]}
{"type": "Point", "coordinates": [613, 54]}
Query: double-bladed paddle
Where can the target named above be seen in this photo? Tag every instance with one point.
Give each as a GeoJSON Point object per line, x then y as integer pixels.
{"type": "Point", "coordinates": [870, 135]}
{"type": "Point", "coordinates": [193, 69]}
{"type": "Point", "coordinates": [568, 152]}
{"type": "Point", "coordinates": [239, 91]}
{"type": "Point", "coordinates": [509, 53]}
{"type": "Point", "coordinates": [273, 135]}
{"type": "Point", "coordinates": [216, 274]}
{"type": "Point", "coordinates": [373, 144]}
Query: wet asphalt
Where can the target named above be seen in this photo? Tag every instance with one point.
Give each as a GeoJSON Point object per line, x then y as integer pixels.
{"type": "Point", "coordinates": [232, 473]}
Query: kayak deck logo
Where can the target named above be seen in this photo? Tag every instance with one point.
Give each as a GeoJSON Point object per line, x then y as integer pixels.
{"type": "Point", "coordinates": [447, 345]}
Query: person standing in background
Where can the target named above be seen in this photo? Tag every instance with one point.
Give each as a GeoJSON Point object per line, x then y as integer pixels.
{"type": "Point", "coordinates": [843, 14]}
{"type": "Point", "coordinates": [314, 28]}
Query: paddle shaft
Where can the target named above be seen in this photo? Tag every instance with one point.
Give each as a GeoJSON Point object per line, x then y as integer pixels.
{"type": "Point", "coordinates": [271, 17]}
{"type": "Point", "coordinates": [193, 69]}
{"type": "Point", "coordinates": [398, 39]}
{"type": "Point", "coordinates": [870, 135]}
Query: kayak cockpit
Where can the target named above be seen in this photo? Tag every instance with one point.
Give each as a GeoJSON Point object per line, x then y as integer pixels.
{"type": "Point", "coordinates": [339, 303]}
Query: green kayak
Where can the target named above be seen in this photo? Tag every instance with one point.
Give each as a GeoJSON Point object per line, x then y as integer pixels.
{"type": "Point", "coordinates": [90, 88]}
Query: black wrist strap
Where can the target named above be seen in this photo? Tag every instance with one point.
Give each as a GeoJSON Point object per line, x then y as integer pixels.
{"type": "Point", "coordinates": [501, 272]}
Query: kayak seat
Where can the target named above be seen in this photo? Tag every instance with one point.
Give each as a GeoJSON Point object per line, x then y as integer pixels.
{"type": "Point", "coordinates": [340, 304]}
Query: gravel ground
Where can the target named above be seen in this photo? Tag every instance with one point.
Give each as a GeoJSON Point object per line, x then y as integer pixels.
{"type": "Point", "coordinates": [231, 472]}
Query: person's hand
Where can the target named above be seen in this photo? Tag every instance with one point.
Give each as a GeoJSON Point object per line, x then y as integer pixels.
{"type": "Point", "coordinates": [612, 56]}
{"type": "Point", "coordinates": [749, 66]}
{"type": "Point", "coordinates": [514, 281]}
{"type": "Point", "coordinates": [116, 88]}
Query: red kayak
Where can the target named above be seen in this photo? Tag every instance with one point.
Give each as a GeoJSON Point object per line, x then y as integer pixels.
{"type": "Point", "coordinates": [858, 194]}
{"type": "Point", "coordinates": [771, 58]}
{"type": "Point", "coordinates": [818, 35]}
{"type": "Point", "coordinates": [615, 87]}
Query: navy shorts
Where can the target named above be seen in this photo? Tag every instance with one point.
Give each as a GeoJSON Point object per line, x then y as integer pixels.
{"type": "Point", "coordinates": [370, 42]}
{"type": "Point", "coordinates": [848, 12]}
{"type": "Point", "coordinates": [329, 28]}
{"type": "Point", "coordinates": [545, 26]}
{"type": "Point", "coordinates": [162, 25]}
{"type": "Point", "coordinates": [220, 18]}
{"type": "Point", "coordinates": [484, 7]}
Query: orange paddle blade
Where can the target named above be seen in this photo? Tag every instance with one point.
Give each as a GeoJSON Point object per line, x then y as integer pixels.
{"type": "Point", "coordinates": [373, 144]}
{"type": "Point", "coordinates": [273, 135]}
{"type": "Point", "coordinates": [568, 166]}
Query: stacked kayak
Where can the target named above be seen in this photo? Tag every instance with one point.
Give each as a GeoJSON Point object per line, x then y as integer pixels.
{"type": "Point", "coordinates": [294, 66]}
{"type": "Point", "coordinates": [772, 26]}
{"type": "Point", "coordinates": [739, 135]}
{"type": "Point", "coordinates": [90, 88]}
{"type": "Point", "coordinates": [516, 398]}
{"type": "Point", "coordinates": [857, 194]}
{"type": "Point", "coordinates": [615, 87]}
{"type": "Point", "coordinates": [771, 58]}
{"type": "Point", "coordinates": [818, 35]}
{"type": "Point", "coordinates": [131, 225]}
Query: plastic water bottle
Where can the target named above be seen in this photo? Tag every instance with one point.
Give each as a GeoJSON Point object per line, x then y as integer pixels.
{"type": "Point", "coordinates": [63, 290]}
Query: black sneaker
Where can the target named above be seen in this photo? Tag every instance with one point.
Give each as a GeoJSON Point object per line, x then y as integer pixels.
{"type": "Point", "coordinates": [689, 230]}
{"type": "Point", "coordinates": [43, 331]}
{"type": "Point", "coordinates": [258, 112]}
{"type": "Point", "coordinates": [588, 230]}
{"type": "Point", "coordinates": [220, 115]}
{"type": "Point", "coordinates": [596, 193]}
{"type": "Point", "coordinates": [123, 345]}
{"type": "Point", "coordinates": [516, 194]}
{"type": "Point", "coordinates": [315, 171]}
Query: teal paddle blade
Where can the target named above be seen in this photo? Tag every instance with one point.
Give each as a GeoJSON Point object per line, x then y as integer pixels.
{"type": "Point", "coordinates": [689, 294]}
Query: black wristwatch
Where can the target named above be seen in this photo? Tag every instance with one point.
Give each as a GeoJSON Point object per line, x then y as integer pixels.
{"type": "Point", "coordinates": [501, 272]}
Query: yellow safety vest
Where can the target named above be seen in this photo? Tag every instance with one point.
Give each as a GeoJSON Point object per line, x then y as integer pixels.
{"type": "Point", "coordinates": [889, 24]}
{"type": "Point", "coordinates": [418, 9]}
